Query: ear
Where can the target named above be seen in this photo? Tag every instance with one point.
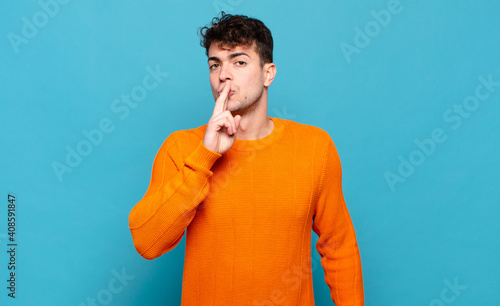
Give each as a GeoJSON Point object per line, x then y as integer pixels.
{"type": "Point", "coordinates": [269, 70]}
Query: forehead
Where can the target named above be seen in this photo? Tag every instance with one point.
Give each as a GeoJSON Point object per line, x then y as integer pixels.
{"type": "Point", "coordinates": [223, 51]}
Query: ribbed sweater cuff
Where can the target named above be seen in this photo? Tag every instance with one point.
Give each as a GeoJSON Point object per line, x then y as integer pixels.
{"type": "Point", "coordinates": [202, 157]}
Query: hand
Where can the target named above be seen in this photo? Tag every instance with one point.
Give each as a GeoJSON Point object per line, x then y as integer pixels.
{"type": "Point", "coordinates": [222, 126]}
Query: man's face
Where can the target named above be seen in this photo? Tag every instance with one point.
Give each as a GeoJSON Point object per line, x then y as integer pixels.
{"type": "Point", "coordinates": [241, 66]}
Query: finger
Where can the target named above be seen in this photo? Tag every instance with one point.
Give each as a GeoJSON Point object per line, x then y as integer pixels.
{"type": "Point", "coordinates": [229, 127]}
{"type": "Point", "coordinates": [220, 103]}
{"type": "Point", "coordinates": [233, 123]}
{"type": "Point", "coordinates": [225, 119]}
{"type": "Point", "coordinates": [237, 120]}
{"type": "Point", "coordinates": [230, 130]}
{"type": "Point", "coordinates": [225, 95]}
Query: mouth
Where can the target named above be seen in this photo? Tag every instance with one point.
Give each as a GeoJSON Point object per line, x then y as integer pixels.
{"type": "Point", "coordinates": [230, 93]}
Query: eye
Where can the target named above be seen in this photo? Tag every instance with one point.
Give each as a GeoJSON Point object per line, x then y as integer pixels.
{"type": "Point", "coordinates": [213, 66]}
{"type": "Point", "coordinates": [240, 63]}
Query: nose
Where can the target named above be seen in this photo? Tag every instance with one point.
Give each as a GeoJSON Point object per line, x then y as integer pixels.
{"type": "Point", "coordinates": [225, 74]}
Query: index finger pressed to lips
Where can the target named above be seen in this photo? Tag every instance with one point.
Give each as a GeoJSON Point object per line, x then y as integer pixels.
{"type": "Point", "coordinates": [220, 103]}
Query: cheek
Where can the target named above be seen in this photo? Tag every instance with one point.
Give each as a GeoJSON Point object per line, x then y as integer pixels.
{"type": "Point", "coordinates": [211, 79]}
{"type": "Point", "coordinates": [256, 83]}
{"type": "Point", "coordinates": [252, 82]}
{"type": "Point", "coordinates": [213, 84]}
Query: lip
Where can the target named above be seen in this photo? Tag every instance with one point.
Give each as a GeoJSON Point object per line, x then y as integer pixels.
{"type": "Point", "coordinates": [230, 93]}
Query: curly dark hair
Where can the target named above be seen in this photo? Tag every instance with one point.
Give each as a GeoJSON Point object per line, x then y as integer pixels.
{"type": "Point", "coordinates": [236, 30]}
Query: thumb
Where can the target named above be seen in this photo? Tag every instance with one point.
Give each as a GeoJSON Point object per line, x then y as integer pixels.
{"type": "Point", "coordinates": [237, 119]}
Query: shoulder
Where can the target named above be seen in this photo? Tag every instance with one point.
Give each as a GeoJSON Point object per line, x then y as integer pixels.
{"type": "Point", "coordinates": [313, 137]}
{"type": "Point", "coordinates": [308, 132]}
{"type": "Point", "coordinates": [188, 135]}
{"type": "Point", "coordinates": [184, 141]}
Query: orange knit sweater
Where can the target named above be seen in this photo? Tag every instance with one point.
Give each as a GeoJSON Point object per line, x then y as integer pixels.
{"type": "Point", "coordinates": [248, 215]}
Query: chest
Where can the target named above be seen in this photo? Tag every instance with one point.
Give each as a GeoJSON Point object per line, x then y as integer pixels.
{"type": "Point", "coordinates": [260, 187]}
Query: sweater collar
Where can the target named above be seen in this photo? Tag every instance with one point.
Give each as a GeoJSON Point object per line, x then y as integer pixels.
{"type": "Point", "coordinates": [259, 144]}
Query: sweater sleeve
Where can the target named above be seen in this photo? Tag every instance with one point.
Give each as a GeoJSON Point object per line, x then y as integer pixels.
{"type": "Point", "coordinates": [178, 185]}
{"type": "Point", "coordinates": [337, 243]}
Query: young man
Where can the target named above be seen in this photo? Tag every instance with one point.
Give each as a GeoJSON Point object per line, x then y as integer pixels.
{"type": "Point", "coordinates": [247, 189]}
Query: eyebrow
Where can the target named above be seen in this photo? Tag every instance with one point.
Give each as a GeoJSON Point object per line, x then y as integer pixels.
{"type": "Point", "coordinates": [232, 55]}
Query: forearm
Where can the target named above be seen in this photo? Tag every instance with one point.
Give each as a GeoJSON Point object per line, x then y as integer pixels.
{"type": "Point", "coordinates": [158, 221]}
{"type": "Point", "coordinates": [342, 264]}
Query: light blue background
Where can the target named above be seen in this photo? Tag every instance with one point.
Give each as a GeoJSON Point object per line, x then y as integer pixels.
{"type": "Point", "coordinates": [440, 224]}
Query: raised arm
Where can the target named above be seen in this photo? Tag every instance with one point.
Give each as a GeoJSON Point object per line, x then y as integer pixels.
{"type": "Point", "coordinates": [178, 185]}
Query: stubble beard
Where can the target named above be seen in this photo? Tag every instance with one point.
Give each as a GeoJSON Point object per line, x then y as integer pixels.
{"type": "Point", "coordinates": [244, 107]}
